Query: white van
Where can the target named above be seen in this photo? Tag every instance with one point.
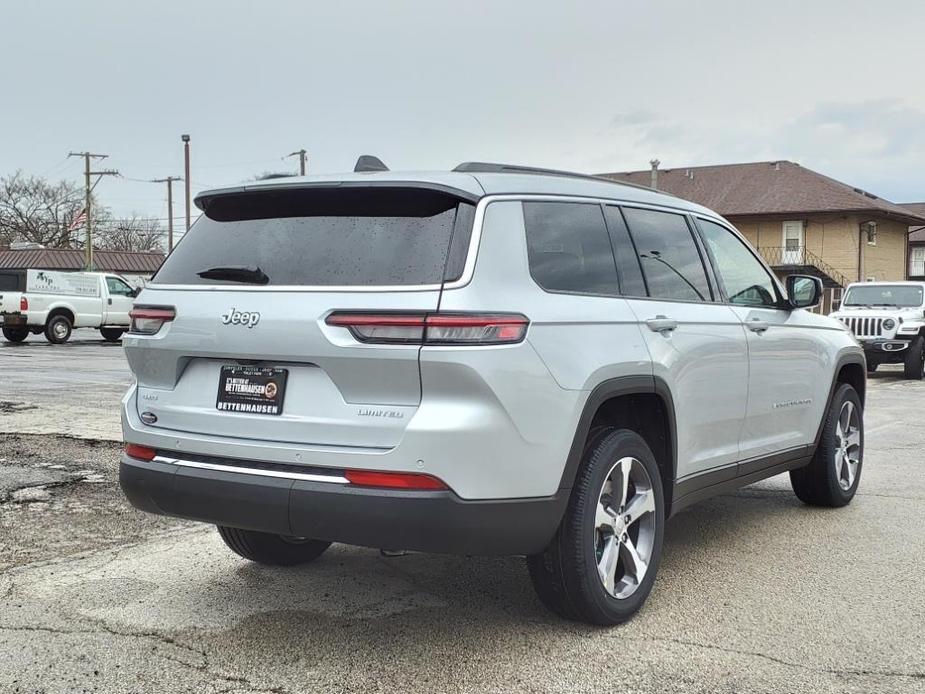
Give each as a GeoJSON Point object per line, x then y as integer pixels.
{"type": "Point", "coordinates": [57, 302]}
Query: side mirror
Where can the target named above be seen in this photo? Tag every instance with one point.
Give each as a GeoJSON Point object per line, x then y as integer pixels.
{"type": "Point", "coordinates": [134, 293]}
{"type": "Point", "coordinates": [804, 291]}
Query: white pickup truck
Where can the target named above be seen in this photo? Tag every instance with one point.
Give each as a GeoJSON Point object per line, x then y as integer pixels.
{"type": "Point", "coordinates": [36, 301]}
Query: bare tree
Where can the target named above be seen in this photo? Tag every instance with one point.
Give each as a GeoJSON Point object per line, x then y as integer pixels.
{"type": "Point", "coordinates": [131, 233]}
{"type": "Point", "coordinates": [34, 209]}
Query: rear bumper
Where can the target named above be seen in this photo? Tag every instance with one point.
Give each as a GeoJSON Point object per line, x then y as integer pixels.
{"type": "Point", "coordinates": [439, 522]}
{"type": "Point", "coordinates": [13, 320]}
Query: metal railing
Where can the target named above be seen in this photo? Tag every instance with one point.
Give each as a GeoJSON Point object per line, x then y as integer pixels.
{"type": "Point", "coordinates": [800, 256]}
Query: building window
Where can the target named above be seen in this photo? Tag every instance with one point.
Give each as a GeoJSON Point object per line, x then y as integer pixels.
{"type": "Point", "coordinates": [871, 278]}
{"type": "Point", "coordinates": [837, 295]}
{"type": "Point", "coordinates": [870, 230]}
{"type": "Point", "coordinates": [917, 261]}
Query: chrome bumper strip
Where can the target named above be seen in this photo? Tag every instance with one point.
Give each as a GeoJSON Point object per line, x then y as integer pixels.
{"type": "Point", "coordinates": [306, 476]}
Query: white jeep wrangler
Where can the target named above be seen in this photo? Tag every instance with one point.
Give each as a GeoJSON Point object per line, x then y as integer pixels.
{"type": "Point", "coordinates": [888, 319]}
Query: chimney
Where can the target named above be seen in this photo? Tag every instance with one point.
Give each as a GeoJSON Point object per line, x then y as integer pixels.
{"type": "Point", "coordinates": [654, 180]}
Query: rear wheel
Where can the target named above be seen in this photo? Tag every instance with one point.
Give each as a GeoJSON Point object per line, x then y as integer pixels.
{"type": "Point", "coordinates": [270, 549]}
{"type": "Point", "coordinates": [111, 334]}
{"type": "Point", "coordinates": [833, 475]}
{"type": "Point", "coordinates": [58, 329]}
{"type": "Point", "coordinates": [915, 359]}
{"type": "Point", "coordinates": [12, 334]}
{"type": "Point", "coordinates": [601, 564]}
{"type": "Point", "coordinates": [872, 366]}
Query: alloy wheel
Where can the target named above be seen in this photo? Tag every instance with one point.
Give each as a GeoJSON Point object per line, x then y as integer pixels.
{"type": "Point", "coordinates": [624, 527]}
{"type": "Point", "coordinates": [848, 445]}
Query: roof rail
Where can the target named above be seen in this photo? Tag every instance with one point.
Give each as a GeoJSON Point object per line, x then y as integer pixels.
{"type": "Point", "coordinates": [487, 167]}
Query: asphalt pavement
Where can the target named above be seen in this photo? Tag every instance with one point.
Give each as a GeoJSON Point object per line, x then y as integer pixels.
{"type": "Point", "coordinates": [756, 592]}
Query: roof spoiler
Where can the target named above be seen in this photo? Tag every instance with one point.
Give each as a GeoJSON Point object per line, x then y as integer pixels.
{"type": "Point", "coordinates": [368, 162]}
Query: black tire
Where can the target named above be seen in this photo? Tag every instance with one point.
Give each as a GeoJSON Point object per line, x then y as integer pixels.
{"type": "Point", "coordinates": [819, 483]}
{"type": "Point", "coordinates": [112, 334]}
{"type": "Point", "coordinates": [58, 329]}
{"type": "Point", "coordinates": [272, 550]}
{"type": "Point", "coordinates": [914, 363]}
{"type": "Point", "coordinates": [872, 366]}
{"type": "Point", "coordinates": [11, 334]}
{"type": "Point", "coordinates": [565, 576]}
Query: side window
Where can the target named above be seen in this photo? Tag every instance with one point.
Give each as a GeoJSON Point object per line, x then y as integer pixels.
{"type": "Point", "coordinates": [117, 286]}
{"type": "Point", "coordinates": [568, 248]}
{"type": "Point", "coordinates": [631, 282]}
{"type": "Point", "coordinates": [746, 281]}
{"type": "Point", "coordinates": [668, 255]}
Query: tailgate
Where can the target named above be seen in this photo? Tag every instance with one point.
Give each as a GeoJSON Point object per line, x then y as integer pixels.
{"type": "Point", "coordinates": [251, 285]}
{"type": "Point", "coordinates": [337, 391]}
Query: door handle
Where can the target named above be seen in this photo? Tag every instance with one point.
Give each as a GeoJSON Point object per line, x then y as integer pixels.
{"type": "Point", "coordinates": [662, 324]}
{"type": "Point", "coordinates": [756, 325]}
{"type": "Point", "coordinates": [109, 301]}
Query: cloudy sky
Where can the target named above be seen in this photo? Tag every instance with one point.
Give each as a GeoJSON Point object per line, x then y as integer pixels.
{"type": "Point", "coordinates": [835, 85]}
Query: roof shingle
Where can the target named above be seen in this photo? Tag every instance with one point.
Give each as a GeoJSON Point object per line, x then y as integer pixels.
{"type": "Point", "coordinates": [73, 259]}
{"type": "Point", "coordinates": [916, 231]}
{"type": "Point", "coordinates": [762, 188]}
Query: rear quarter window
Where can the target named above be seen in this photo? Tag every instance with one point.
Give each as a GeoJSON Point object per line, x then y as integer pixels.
{"type": "Point", "coordinates": [568, 248]}
{"type": "Point", "coordinates": [328, 237]}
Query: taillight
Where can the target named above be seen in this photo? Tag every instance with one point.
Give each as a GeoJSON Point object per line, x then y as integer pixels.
{"type": "Point", "coordinates": [394, 480]}
{"type": "Point", "coordinates": [23, 303]}
{"type": "Point", "coordinates": [433, 328]}
{"type": "Point", "coordinates": [147, 320]}
{"type": "Point", "coordinates": [133, 450]}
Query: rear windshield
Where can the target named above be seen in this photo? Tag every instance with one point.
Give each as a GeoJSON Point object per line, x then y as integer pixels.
{"type": "Point", "coordinates": [325, 237]}
{"type": "Point", "coordinates": [884, 295]}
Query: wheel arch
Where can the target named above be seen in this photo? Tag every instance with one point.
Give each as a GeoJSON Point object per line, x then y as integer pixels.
{"type": "Point", "coordinates": [850, 368]}
{"type": "Point", "coordinates": [641, 403]}
{"type": "Point", "coordinates": [61, 310]}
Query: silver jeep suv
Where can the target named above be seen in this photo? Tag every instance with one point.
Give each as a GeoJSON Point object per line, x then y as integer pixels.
{"type": "Point", "coordinates": [493, 360]}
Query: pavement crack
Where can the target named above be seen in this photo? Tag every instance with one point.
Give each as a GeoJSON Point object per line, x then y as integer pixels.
{"type": "Point", "coordinates": [788, 663]}
{"type": "Point", "coordinates": [203, 666]}
{"type": "Point", "coordinates": [44, 629]}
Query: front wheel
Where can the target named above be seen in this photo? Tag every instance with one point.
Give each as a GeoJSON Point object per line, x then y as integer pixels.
{"type": "Point", "coordinates": [601, 565]}
{"type": "Point", "coordinates": [914, 363]}
{"type": "Point", "coordinates": [270, 549]}
{"type": "Point", "coordinates": [11, 334]}
{"type": "Point", "coordinates": [833, 475]}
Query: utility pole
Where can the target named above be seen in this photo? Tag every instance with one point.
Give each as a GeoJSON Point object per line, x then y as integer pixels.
{"type": "Point", "coordinates": [87, 156]}
{"type": "Point", "coordinates": [185, 139]}
{"type": "Point", "coordinates": [301, 153]}
{"type": "Point", "coordinates": [169, 181]}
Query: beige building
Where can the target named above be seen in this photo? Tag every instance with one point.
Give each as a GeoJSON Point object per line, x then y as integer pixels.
{"type": "Point", "coordinates": [799, 220]}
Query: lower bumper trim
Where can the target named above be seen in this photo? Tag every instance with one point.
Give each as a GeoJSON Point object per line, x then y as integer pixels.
{"type": "Point", "coordinates": [427, 521]}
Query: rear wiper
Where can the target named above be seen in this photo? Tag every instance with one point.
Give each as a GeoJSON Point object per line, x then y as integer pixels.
{"type": "Point", "coordinates": [249, 274]}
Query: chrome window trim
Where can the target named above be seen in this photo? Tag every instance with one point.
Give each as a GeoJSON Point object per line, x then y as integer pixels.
{"type": "Point", "coordinates": [306, 476]}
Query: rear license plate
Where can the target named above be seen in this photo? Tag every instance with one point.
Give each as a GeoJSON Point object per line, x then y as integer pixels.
{"type": "Point", "coordinates": [251, 389]}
